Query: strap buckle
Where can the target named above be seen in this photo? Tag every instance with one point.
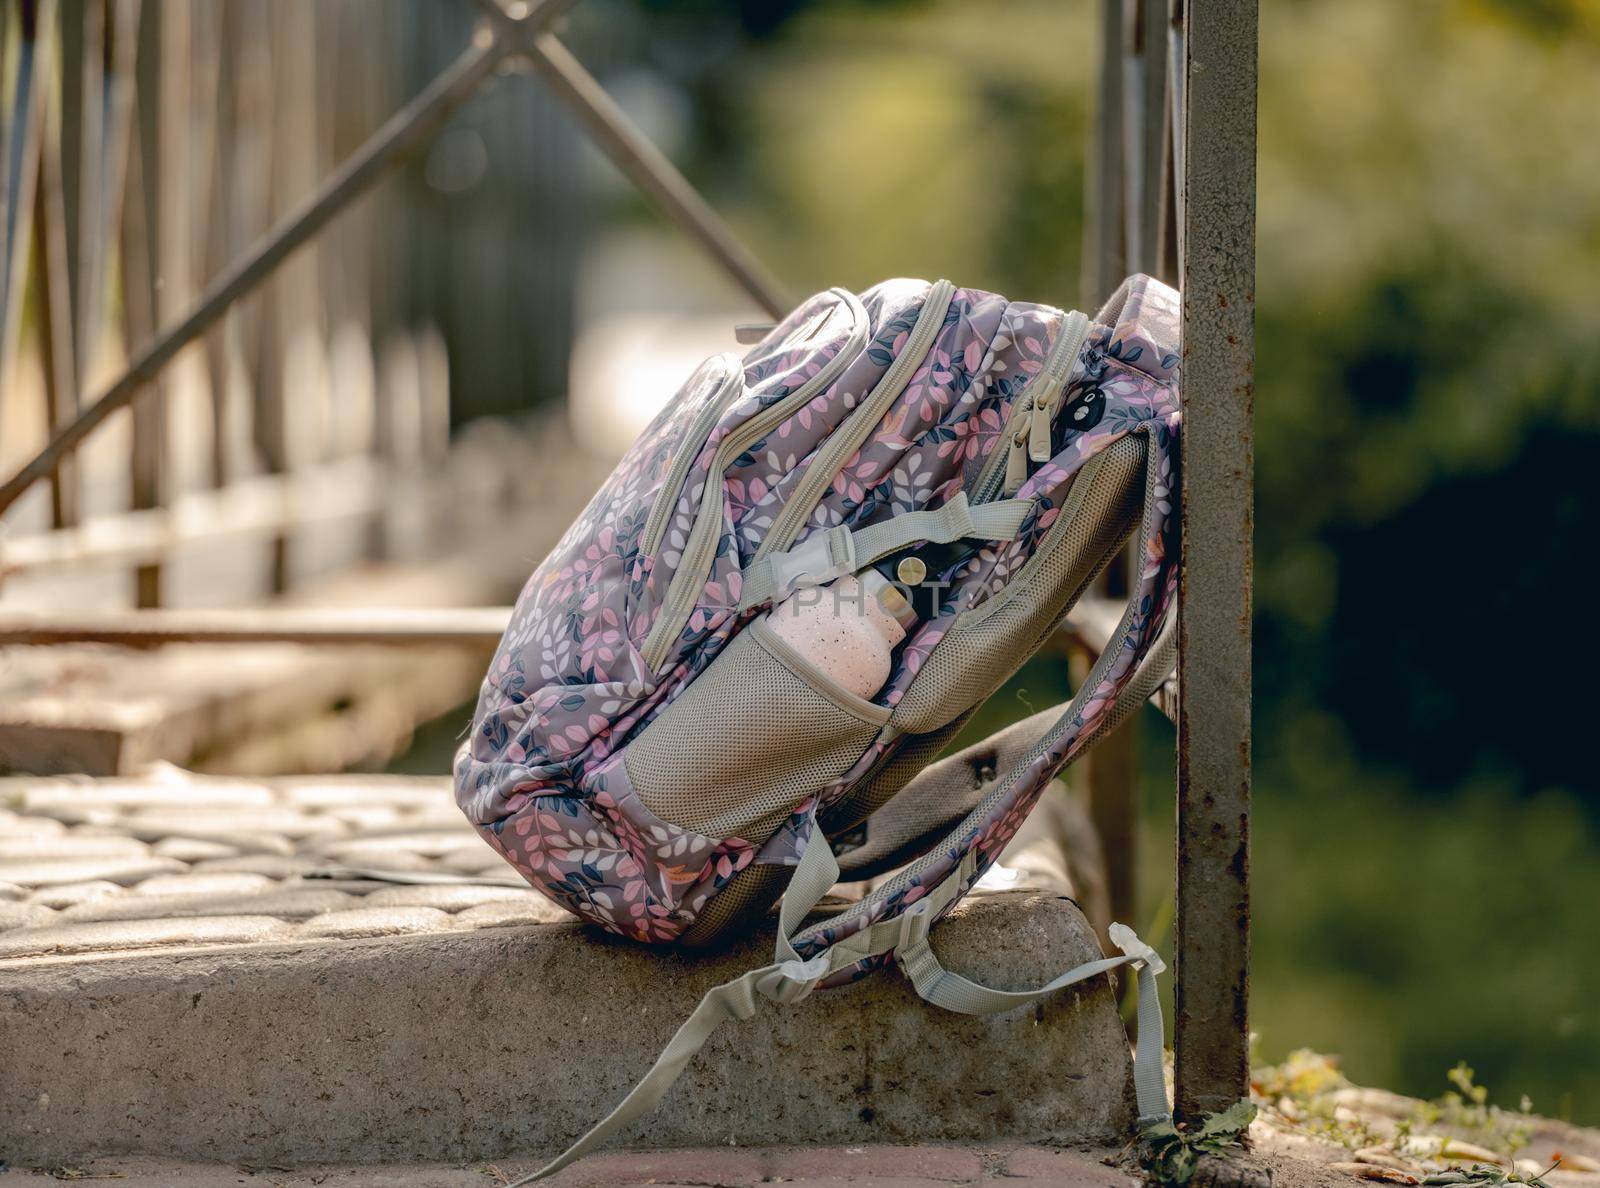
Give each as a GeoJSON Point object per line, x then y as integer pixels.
{"type": "Point", "coordinates": [820, 559]}
{"type": "Point", "coordinates": [792, 981]}
{"type": "Point", "coordinates": [1124, 938]}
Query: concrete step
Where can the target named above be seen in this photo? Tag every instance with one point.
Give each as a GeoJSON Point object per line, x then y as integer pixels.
{"type": "Point", "coordinates": [223, 1008]}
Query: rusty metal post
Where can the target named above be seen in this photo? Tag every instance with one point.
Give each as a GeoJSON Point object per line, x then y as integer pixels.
{"type": "Point", "coordinates": [1213, 929]}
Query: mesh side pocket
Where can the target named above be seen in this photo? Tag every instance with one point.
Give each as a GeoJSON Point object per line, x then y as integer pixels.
{"type": "Point", "coordinates": [989, 643]}
{"type": "Point", "coordinates": [749, 740]}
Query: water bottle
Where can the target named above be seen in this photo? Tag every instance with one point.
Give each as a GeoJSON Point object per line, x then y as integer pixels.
{"type": "Point", "coordinates": [848, 629]}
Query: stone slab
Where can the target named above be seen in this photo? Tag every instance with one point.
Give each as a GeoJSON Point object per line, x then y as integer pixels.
{"type": "Point", "coordinates": [486, 1043]}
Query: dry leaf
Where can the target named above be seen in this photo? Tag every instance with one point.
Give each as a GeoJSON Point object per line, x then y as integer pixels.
{"type": "Point", "coordinates": [1373, 1171]}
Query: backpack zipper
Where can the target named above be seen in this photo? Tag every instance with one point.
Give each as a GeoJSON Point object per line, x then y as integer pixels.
{"type": "Point", "coordinates": [690, 576]}
{"type": "Point", "coordinates": [1026, 436]}
{"type": "Point", "coordinates": [843, 443]}
{"type": "Point", "coordinates": [692, 442]}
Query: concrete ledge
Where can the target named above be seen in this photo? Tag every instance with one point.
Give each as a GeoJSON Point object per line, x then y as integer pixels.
{"type": "Point", "coordinates": [479, 1045]}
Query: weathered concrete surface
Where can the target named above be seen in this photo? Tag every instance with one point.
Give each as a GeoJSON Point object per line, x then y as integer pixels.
{"type": "Point", "coordinates": [816, 1167]}
{"type": "Point", "coordinates": [510, 1041]}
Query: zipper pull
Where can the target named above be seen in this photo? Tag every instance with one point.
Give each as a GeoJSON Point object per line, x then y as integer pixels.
{"type": "Point", "coordinates": [1040, 424]}
{"type": "Point", "coordinates": [1017, 452]}
{"type": "Point", "coordinates": [1054, 382]}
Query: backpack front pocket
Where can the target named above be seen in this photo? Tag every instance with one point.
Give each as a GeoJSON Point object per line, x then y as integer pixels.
{"type": "Point", "coordinates": [747, 743]}
{"type": "Point", "coordinates": [711, 389]}
{"type": "Point", "coordinates": [822, 365]}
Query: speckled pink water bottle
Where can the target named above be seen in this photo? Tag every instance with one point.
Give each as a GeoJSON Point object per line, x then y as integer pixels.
{"type": "Point", "coordinates": [848, 629]}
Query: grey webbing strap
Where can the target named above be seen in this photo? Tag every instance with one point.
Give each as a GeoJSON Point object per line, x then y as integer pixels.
{"type": "Point", "coordinates": [814, 876]}
{"type": "Point", "coordinates": [825, 556]}
{"type": "Point", "coordinates": [937, 985]}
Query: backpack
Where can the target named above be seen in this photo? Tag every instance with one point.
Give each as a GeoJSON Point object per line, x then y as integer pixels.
{"type": "Point", "coordinates": [649, 754]}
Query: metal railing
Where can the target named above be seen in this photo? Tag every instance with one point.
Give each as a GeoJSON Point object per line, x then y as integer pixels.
{"type": "Point", "coordinates": [1172, 192]}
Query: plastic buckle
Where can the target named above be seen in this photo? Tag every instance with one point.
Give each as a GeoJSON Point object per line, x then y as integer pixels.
{"type": "Point", "coordinates": [793, 981]}
{"type": "Point", "coordinates": [1128, 941]}
{"type": "Point", "coordinates": [823, 557]}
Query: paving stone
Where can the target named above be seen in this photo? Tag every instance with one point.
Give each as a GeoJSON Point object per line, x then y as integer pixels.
{"type": "Point", "coordinates": [209, 883]}
{"type": "Point", "coordinates": [466, 860]}
{"type": "Point", "coordinates": [392, 921]}
{"type": "Point", "coordinates": [12, 826]}
{"type": "Point", "coordinates": [71, 845]}
{"type": "Point", "coordinates": [131, 794]}
{"type": "Point", "coordinates": [449, 899]}
{"type": "Point", "coordinates": [289, 904]}
{"type": "Point", "coordinates": [398, 861]}
{"type": "Point", "coordinates": [1072, 1168]}
{"type": "Point", "coordinates": [362, 817]}
{"type": "Point", "coordinates": [875, 1163]}
{"type": "Point", "coordinates": [274, 866]}
{"type": "Point", "coordinates": [121, 936]}
{"type": "Point", "coordinates": [23, 915]}
{"type": "Point", "coordinates": [82, 813]}
{"type": "Point", "coordinates": [444, 815]}
{"type": "Point", "coordinates": [734, 1168]}
{"type": "Point", "coordinates": [432, 1046]}
{"type": "Point", "coordinates": [430, 843]}
{"type": "Point", "coordinates": [355, 886]}
{"type": "Point", "coordinates": [44, 873]}
{"type": "Point", "coordinates": [365, 790]}
{"type": "Point", "coordinates": [244, 823]}
{"type": "Point", "coordinates": [65, 895]}
{"type": "Point", "coordinates": [192, 849]}
{"type": "Point", "coordinates": [532, 909]}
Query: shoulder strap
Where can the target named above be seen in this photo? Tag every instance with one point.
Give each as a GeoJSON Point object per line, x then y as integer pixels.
{"type": "Point", "coordinates": [938, 797]}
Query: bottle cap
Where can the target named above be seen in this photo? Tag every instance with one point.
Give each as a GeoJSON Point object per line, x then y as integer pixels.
{"type": "Point", "coordinates": [911, 571]}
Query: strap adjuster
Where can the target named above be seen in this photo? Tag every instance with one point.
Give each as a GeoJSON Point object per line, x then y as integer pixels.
{"type": "Point", "coordinates": [1125, 939]}
{"type": "Point", "coordinates": [792, 981]}
{"type": "Point", "coordinates": [821, 558]}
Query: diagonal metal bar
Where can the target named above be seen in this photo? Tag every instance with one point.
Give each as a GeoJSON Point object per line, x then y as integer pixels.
{"type": "Point", "coordinates": [403, 132]}
{"type": "Point", "coordinates": [650, 169]}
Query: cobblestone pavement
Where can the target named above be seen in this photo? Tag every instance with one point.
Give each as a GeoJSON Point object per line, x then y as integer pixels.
{"type": "Point", "coordinates": [174, 859]}
{"type": "Point", "coordinates": [815, 1167]}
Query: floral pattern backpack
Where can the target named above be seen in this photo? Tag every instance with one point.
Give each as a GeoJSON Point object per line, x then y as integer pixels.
{"type": "Point", "coordinates": [651, 756]}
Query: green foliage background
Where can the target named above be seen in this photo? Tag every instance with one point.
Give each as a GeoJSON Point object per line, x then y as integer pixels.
{"type": "Point", "coordinates": [1428, 412]}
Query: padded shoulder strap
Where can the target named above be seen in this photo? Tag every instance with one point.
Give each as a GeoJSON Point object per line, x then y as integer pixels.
{"type": "Point", "coordinates": [934, 801]}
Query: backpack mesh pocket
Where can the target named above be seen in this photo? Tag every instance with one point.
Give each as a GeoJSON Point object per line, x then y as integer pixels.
{"type": "Point", "coordinates": [748, 741]}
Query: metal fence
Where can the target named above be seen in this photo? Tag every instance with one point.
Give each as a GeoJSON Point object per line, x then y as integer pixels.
{"type": "Point", "coordinates": [1172, 193]}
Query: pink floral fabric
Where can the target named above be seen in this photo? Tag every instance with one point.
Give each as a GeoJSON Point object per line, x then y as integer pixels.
{"type": "Point", "coordinates": [542, 774]}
